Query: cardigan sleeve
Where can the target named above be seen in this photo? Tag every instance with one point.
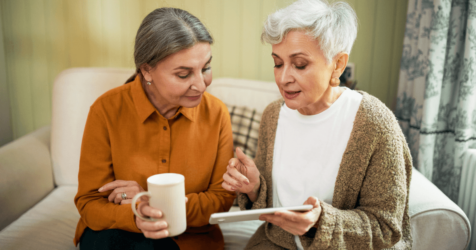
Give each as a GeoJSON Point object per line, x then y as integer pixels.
{"type": "Point", "coordinates": [376, 222]}
{"type": "Point", "coordinates": [245, 202]}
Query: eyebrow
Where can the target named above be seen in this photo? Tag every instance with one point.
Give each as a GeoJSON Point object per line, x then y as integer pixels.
{"type": "Point", "coordinates": [189, 68]}
{"type": "Point", "coordinates": [293, 55]}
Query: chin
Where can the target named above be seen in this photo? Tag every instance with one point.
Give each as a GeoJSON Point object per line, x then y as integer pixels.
{"type": "Point", "coordinates": [292, 104]}
{"type": "Point", "coordinates": [191, 104]}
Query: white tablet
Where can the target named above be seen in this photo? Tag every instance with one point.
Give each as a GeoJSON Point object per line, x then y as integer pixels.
{"type": "Point", "coordinates": [252, 214]}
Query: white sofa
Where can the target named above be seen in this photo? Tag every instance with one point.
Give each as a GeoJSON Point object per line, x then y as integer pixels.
{"type": "Point", "coordinates": [38, 172]}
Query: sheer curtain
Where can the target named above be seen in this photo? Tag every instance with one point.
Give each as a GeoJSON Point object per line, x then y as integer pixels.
{"type": "Point", "coordinates": [436, 103]}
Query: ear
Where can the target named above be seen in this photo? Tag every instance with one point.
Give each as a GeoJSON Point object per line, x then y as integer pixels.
{"type": "Point", "coordinates": [340, 62]}
{"type": "Point", "coordinates": [145, 70]}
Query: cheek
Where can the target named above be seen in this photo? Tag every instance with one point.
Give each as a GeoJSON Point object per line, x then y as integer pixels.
{"type": "Point", "coordinates": [311, 84]}
{"type": "Point", "coordinates": [173, 88]}
{"type": "Point", "coordinates": [208, 79]}
{"type": "Point", "coordinates": [277, 77]}
{"type": "Point", "coordinates": [277, 73]}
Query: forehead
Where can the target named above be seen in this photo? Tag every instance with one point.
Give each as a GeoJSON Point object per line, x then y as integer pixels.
{"type": "Point", "coordinates": [296, 41]}
{"type": "Point", "coordinates": [195, 56]}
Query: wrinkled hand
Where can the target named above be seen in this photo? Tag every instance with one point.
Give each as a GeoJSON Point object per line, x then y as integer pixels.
{"type": "Point", "coordinates": [241, 175]}
{"type": "Point", "coordinates": [131, 188]}
{"type": "Point", "coordinates": [152, 229]}
{"type": "Point", "coordinates": [296, 223]}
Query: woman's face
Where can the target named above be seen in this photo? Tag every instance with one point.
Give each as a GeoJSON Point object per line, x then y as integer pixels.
{"type": "Point", "coordinates": [181, 78]}
{"type": "Point", "coordinates": [301, 71]}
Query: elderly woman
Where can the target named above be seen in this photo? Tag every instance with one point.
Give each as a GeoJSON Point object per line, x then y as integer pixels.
{"type": "Point", "coordinates": [162, 121]}
{"type": "Point", "coordinates": [339, 150]}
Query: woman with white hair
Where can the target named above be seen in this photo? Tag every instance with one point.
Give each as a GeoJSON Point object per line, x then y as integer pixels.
{"type": "Point", "coordinates": [339, 150]}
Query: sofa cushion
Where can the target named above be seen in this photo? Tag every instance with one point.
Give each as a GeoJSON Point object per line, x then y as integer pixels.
{"type": "Point", "coordinates": [245, 126]}
{"type": "Point", "coordinates": [50, 224]}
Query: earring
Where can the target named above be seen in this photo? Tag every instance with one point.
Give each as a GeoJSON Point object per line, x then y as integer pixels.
{"type": "Point", "coordinates": [148, 83]}
{"type": "Point", "coordinates": [335, 82]}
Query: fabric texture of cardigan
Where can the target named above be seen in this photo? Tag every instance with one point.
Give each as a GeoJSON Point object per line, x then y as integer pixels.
{"type": "Point", "coordinates": [370, 203]}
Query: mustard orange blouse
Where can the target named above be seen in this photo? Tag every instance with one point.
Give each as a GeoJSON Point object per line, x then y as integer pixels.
{"type": "Point", "coordinates": [126, 138]}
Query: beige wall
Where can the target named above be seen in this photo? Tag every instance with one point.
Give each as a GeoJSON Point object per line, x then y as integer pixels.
{"type": "Point", "coordinates": [44, 37]}
{"type": "Point", "coordinates": [6, 133]}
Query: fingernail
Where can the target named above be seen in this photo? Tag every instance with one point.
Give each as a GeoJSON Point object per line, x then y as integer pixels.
{"type": "Point", "coordinates": [233, 189]}
{"type": "Point", "coordinates": [239, 185]}
{"type": "Point", "coordinates": [100, 189]}
{"type": "Point", "coordinates": [247, 182]}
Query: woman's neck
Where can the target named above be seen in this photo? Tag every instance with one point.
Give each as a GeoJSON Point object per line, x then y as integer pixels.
{"type": "Point", "coordinates": [328, 98]}
{"type": "Point", "coordinates": [167, 110]}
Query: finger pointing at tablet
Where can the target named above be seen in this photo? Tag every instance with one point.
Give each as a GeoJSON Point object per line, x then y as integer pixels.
{"type": "Point", "coordinates": [242, 175]}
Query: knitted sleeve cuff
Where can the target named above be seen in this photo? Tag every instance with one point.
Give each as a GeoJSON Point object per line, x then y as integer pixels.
{"type": "Point", "coordinates": [245, 202]}
{"type": "Point", "coordinates": [325, 226]}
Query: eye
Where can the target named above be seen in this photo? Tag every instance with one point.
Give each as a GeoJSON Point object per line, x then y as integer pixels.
{"type": "Point", "coordinates": [206, 69]}
{"type": "Point", "coordinates": [183, 76]}
{"type": "Point", "coordinates": [278, 66]}
{"type": "Point", "coordinates": [301, 67]}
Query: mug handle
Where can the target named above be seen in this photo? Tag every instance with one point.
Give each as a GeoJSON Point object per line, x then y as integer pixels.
{"type": "Point", "coordinates": [133, 203]}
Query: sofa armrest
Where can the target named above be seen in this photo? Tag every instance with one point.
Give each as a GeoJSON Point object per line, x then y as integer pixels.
{"type": "Point", "coordinates": [436, 221]}
{"type": "Point", "coordinates": [26, 174]}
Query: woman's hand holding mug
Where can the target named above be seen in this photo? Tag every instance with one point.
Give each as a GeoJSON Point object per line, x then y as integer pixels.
{"type": "Point", "coordinates": [165, 208]}
{"type": "Point", "coordinates": [242, 176]}
{"type": "Point", "coordinates": [157, 227]}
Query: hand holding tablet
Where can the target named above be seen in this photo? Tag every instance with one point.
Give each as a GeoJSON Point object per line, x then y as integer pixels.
{"type": "Point", "coordinates": [252, 214]}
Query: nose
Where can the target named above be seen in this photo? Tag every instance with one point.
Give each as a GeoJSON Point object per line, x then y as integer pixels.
{"type": "Point", "coordinates": [199, 83]}
{"type": "Point", "coordinates": [284, 75]}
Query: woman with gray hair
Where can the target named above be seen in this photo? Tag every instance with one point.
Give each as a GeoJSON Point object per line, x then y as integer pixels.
{"type": "Point", "coordinates": [159, 122]}
{"type": "Point", "coordinates": [339, 150]}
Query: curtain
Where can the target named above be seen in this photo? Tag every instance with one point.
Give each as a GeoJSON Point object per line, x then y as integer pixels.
{"type": "Point", "coordinates": [436, 99]}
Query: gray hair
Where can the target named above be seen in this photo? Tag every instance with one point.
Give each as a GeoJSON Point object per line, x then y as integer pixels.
{"type": "Point", "coordinates": [166, 31]}
{"type": "Point", "coordinates": [333, 25]}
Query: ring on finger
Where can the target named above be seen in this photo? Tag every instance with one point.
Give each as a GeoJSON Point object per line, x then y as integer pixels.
{"type": "Point", "coordinates": [124, 196]}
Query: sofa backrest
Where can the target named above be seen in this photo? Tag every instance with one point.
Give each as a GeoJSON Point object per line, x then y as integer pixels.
{"type": "Point", "coordinates": [240, 92]}
{"type": "Point", "coordinates": [75, 90]}
{"type": "Point", "coordinates": [246, 101]}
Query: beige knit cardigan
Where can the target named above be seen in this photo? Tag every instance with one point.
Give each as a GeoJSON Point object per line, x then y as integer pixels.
{"type": "Point", "coordinates": [370, 204]}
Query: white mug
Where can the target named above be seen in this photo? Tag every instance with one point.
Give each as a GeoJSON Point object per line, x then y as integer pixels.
{"type": "Point", "coordinates": [167, 193]}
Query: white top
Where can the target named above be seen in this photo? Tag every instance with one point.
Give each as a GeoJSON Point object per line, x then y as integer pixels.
{"type": "Point", "coordinates": [308, 150]}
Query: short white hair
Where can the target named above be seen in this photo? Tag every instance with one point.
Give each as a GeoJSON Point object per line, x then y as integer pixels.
{"type": "Point", "coordinates": [334, 25]}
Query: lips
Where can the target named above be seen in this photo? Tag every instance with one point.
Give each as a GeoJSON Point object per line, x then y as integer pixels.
{"type": "Point", "coordinates": [291, 94]}
{"type": "Point", "coordinates": [193, 98]}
